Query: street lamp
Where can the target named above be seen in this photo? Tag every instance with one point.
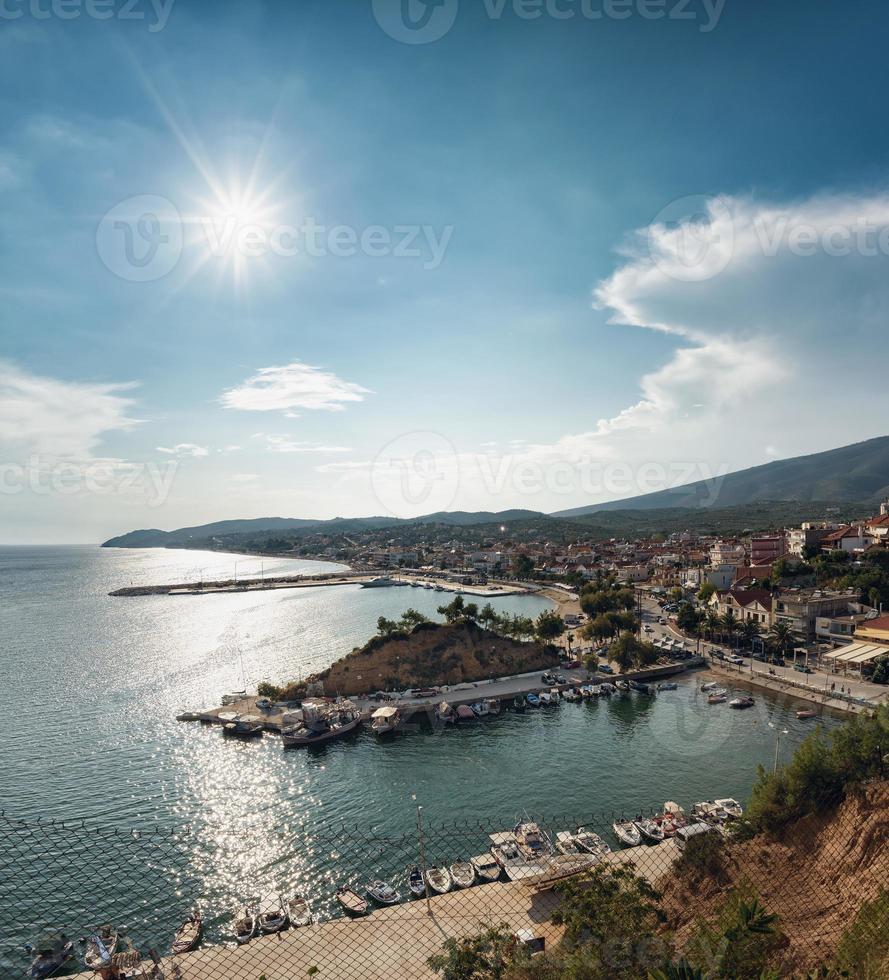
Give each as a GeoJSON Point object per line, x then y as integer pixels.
{"type": "Point", "coordinates": [781, 731]}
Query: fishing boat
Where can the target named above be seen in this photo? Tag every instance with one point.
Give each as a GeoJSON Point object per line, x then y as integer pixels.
{"type": "Point", "coordinates": [504, 849]}
{"type": "Point", "coordinates": [444, 713]}
{"type": "Point", "coordinates": [244, 726]}
{"type": "Point", "coordinates": [246, 925]}
{"type": "Point", "coordinates": [545, 698]}
{"type": "Point", "coordinates": [188, 935]}
{"type": "Point", "coordinates": [672, 819]}
{"type": "Point", "coordinates": [322, 722]}
{"type": "Point", "coordinates": [717, 697]}
{"type": "Point", "coordinates": [233, 698]}
{"type": "Point", "coordinates": [743, 702]}
{"type": "Point", "coordinates": [464, 713]}
{"type": "Point", "coordinates": [650, 830]}
{"type": "Point", "coordinates": [565, 843]}
{"type": "Point", "coordinates": [668, 686]}
{"type": "Point", "coordinates": [352, 902]}
{"type": "Point", "coordinates": [554, 694]}
{"type": "Point", "coordinates": [732, 807]}
{"type": "Point", "coordinates": [709, 811]}
{"type": "Point", "coordinates": [493, 705]}
{"type": "Point", "coordinates": [486, 868]}
{"type": "Point", "coordinates": [415, 882]}
{"type": "Point", "coordinates": [533, 700]}
{"type": "Point", "coordinates": [710, 686]}
{"type": "Point", "coordinates": [439, 880]}
{"type": "Point", "coordinates": [51, 952]}
{"type": "Point", "coordinates": [804, 713]}
{"type": "Point", "coordinates": [518, 704]}
{"type": "Point", "coordinates": [385, 721]}
{"type": "Point", "coordinates": [531, 841]}
{"type": "Point", "coordinates": [272, 915]}
{"type": "Point", "coordinates": [480, 709]}
{"type": "Point", "coordinates": [299, 912]}
{"type": "Point", "coordinates": [571, 694]}
{"type": "Point", "coordinates": [606, 689]}
{"type": "Point", "coordinates": [622, 686]}
{"type": "Point", "coordinates": [383, 893]}
{"type": "Point", "coordinates": [627, 833]}
{"type": "Point", "coordinates": [127, 963]}
{"type": "Point", "coordinates": [590, 842]}
{"type": "Point", "coordinates": [100, 947]}
{"type": "Point", "coordinates": [462, 874]}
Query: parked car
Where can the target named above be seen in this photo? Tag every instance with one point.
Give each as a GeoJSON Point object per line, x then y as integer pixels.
{"type": "Point", "coordinates": [605, 669]}
{"type": "Point", "coordinates": [803, 668]}
{"type": "Point", "coordinates": [779, 661]}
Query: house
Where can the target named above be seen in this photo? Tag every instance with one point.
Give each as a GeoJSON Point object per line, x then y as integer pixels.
{"type": "Point", "coordinates": [767, 548]}
{"type": "Point", "coordinates": [746, 604]}
{"type": "Point", "coordinates": [852, 538]}
{"type": "Point", "coordinates": [808, 535]}
{"type": "Point", "coordinates": [842, 628]}
{"type": "Point", "coordinates": [800, 608]}
{"type": "Point", "coordinates": [727, 553]}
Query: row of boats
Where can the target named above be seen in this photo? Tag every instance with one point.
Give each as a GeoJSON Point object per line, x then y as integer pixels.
{"type": "Point", "coordinates": [525, 851]}
{"type": "Point", "coordinates": [719, 695]}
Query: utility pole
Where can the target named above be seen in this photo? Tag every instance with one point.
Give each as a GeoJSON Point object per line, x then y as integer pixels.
{"type": "Point", "coordinates": [422, 846]}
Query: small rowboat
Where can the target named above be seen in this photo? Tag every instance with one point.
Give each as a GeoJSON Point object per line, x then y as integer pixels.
{"type": "Point", "coordinates": [627, 833]}
{"type": "Point", "coordinates": [246, 925]}
{"type": "Point", "coordinates": [352, 902]}
{"type": "Point", "coordinates": [272, 915]}
{"type": "Point", "coordinates": [716, 698]}
{"type": "Point", "coordinates": [51, 952]}
{"type": "Point", "coordinates": [742, 702]}
{"type": "Point", "coordinates": [188, 935]}
{"type": "Point", "coordinates": [415, 882]}
{"type": "Point", "coordinates": [806, 713]}
{"type": "Point", "coordinates": [439, 880]}
{"type": "Point", "coordinates": [462, 874]}
{"type": "Point", "coordinates": [299, 911]}
{"type": "Point", "coordinates": [383, 893]}
{"type": "Point", "coordinates": [486, 868]}
{"type": "Point", "coordinates": [100, 948]}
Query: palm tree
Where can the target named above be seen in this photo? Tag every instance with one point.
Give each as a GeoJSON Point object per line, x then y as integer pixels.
{"type": "Point", "coordinates": [749, 631]}
{"type": "Point", "coordinates": [730, 623]}
{"type": "Point", "coordinates": [714, 621]}
{"type": "Point", "coordinates": [781, 636]}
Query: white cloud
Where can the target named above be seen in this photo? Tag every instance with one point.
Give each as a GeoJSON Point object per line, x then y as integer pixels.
{"type": "Point", "coordinates": [293, 386]}
{"type": "Point", "coordinates": [57, 419]}
{"type": "Point", "coordinates": [284, 444]}
{"type": "Point", "coordinates": [184, 449]}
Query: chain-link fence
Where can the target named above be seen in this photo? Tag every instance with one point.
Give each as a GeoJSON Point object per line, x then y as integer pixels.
{"type": "Point", "coordinates": [350, 902]}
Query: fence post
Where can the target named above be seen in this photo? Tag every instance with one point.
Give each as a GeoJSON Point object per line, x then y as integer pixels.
{"type": "Point", "coordinates": [422, 846]}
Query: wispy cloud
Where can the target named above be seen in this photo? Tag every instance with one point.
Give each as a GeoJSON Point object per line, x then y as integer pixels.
{"type": "Point", "coordinates": [184, 449]}
{"type": "Point", "coordinates": [284, 444]}
{"type": "Point", "coordinates": [290, 387]}
{"type": "Point", "coordinates": [55, 418]}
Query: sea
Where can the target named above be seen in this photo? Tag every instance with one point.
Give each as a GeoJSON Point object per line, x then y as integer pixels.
{"type": "Point", "coordinates": [112, 809]}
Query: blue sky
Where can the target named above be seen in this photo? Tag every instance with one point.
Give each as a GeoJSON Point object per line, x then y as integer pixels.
{"type": "Point", "coordinates": [542, 358]}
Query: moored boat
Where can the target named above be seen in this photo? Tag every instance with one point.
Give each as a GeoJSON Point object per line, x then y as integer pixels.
{"type": "Point", "coordinates": [480, 709]}
{"type": "Point", "coordinates": [415, 882]}
{"type": "Point", "coordinates": [272, 915]}
{"type": "Point", "coordinates": [322, 722]}
{"type": "Point", "coordinates": [668, 686]}
{"type": "Point", "coordinates": [732, 807]}
{"type": "Point", "coordinates": [299, 912]}
{"type": "Point", "coordinates": [462, 874]}
{"type": "Point", "coordinates": [804, 713]}
{"type": "Point", "coordinates": [486, 868]}
{"type": "Point", "coordinates": [100, 947]}
{"type": "Point", "coordinates": [710, 686]}
{"type": "Point", "coordinates": [51, 952]}
{"type": "Point", "coordinates": [650, 830]}
{"type": "Point", "coordinates": [545, 698]}
{"type": "Point", "coordinates": [246, 925]}
{"type": "Point", "coordinates": [244, 726]}
{"type": "Point", "coordinates": [709, 811]}
{"type": "Point", "coordinates": [627, 833]}
{"type": "Point", "coordinates": [439, 880]}
{"type": "Point", "coordinates": [352, 902]}
{"type": "Point", "coordinates": [383, 893]}
{"type": "Point", "coordinates": [518, 703]}
{"type": "Point", "coordinates": [385, 720]}
{"type": "Point", "coordinates": [531, 841]}
{"type": "Point", "coordinates": [590, 842]}
{"type": "Point", "coordinates": [444, 713]}
{"type": "Point", "coordinates": [743, 702]}
{"type": "Point", "coordinates": [493, 705]}
{"type": "Point", "coordinates": [464, 713]}
{"type": "Point", "coordinates": [188, 935]}
{"type": "Point", "coordinates": [533, 700]}
{"type": "Point", "coordinates": [717, 697]}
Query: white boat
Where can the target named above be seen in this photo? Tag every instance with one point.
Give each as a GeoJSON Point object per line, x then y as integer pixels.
{"type": "Point", "coordinates": [383, 893]}
{"type": "Point", "coordinates": [322, 722]}
{"type": "Point", "coordinates": [233, 698]}
{"type": "Point", "coordinates": [627, 833]}
{"type": "Point", "coordinates": [710, 686]}
{"type": "Point", "coordinates": [732, 807]}
{"type": "Point", "coordinates": [486, 868]}
{"type": "Point", "coordinates": [742, 702]}
{"type": "Point", "coordinates": [710, 812]}
{"type": "Point", "coordinates": [650, 829]}
{"type": "Point", "coordinates": [531, 841]}
{"type": "Point", "coordinates": [188, 935]}
{"type": "Point", "coordinates": [415, 882]}
{"type": "Point", "coordinates": [352, 902]}
{"type": "Point", "coordinates": [493, 705]}
{"type": "Point", "coordinates": [381, 582]}
{"type": "Point", "coordinates": [717, 697]}
{"type": "Point", "coordinates": [590, 842]}
{"type": "Point", "coordinates": [555, 696]}
{"type": "Point", "coordinates": [246, 924]}
{"type": "Point", "coordinates": [462, 874]}
{"type": "Point", "coordinates": [444, 713]}
{"type": "Point", "coordinates": [545, 697]}
{"type": "Point", "coordinates": [385, 721]}
{"type": "Point", "coordinates": [480, 709]}
{"type": "Point", "coordinates": [272, 915]}
{"type": "Point", "coordinates": [100, 947]}
{"type": "Point", "coordinates": [299, 911]}
{"type": "Point", "coordinates": [504, 848]}
{"type": "Point", "coordinates": [439, 880]}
